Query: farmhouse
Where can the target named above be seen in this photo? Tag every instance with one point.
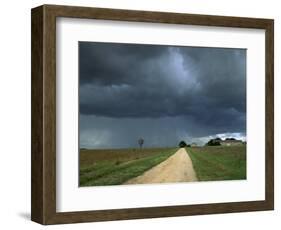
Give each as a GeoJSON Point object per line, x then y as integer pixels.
{"type": "Point", "coordinates": [226, 142]}
{"type": "Point", "coordinates": [231, 142]}
{"type": "Point", "coordinates": [193, 144]}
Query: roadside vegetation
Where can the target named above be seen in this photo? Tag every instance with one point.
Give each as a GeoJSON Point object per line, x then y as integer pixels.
{"type": "Point", "coordinates": [212, 163]}
{"type": "Point", "coordinates": [113, 167]}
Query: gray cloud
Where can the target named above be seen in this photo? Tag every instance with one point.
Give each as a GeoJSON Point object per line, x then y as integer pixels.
{"type": "Point", "coordinates": [201, 91]}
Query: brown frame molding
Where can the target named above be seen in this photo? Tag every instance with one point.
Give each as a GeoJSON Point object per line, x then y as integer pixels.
{"type": "Point", "coordinates": [43, 160]}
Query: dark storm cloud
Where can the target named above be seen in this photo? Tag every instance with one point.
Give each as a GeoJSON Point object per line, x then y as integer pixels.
{"type": "Point", "coordinates": [108, 64]}
{"type": "Point", "coordinates": [202, 87]}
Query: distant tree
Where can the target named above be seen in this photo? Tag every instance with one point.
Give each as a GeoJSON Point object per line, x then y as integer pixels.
{"type": "Point", "coordinates": [230, 139]}
{"type": "Point", "coordinates": [188, 145]}
{"type": "Point", "coordinates": [141, 141]}
{"type": "Point", "coordinates": [213, 142]}
{"type": "Point", "coordinates": [182, 144]}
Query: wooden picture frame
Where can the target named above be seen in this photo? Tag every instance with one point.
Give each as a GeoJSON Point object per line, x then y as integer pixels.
{"type": "Point", "coordinates": [43, 207]}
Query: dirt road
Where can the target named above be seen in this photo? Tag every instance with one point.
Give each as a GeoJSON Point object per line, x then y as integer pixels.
{"type": "Point", "coordinates": [177, 168]}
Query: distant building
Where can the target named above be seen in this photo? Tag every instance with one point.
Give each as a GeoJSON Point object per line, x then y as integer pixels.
{"type": "Point", "coordinates": [193, 144]}
{"type": "Point", "coordinates": [231, 142]}
{"type": "Point", "coordinates": [226, 142]}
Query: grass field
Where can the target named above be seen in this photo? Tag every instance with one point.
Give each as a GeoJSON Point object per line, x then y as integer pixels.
{"type": "Point", "coordinates": [115, 166]}
{"type": "Point", "coordinates": [214, 163]}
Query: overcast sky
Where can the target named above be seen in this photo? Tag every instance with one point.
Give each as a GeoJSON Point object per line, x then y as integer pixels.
{"type": "Point", "coordinates": [163, 94]}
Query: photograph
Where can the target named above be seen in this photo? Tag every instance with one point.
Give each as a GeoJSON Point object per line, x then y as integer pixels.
{"type": "Point", "coordinates": [161, 114]}
{"type": "Point", "coordinates": [141, 114]}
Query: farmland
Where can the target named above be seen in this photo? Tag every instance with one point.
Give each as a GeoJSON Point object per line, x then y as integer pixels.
{"type": "Point", "coordinates": [116, 166]}
{"type": "Point", "coordinates": [215, 163]}
{"type": "Point", "coordinates": [151, 165]}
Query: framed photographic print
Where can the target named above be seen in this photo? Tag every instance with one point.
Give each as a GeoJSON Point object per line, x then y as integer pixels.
{"type": "Point", "coordinates": [140, 114]}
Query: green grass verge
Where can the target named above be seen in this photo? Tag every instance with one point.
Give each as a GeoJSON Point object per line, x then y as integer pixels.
{"type": "Point", "coordinates": [219, 162]}
{"type": "Point", "coordinates": [115, 172]}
